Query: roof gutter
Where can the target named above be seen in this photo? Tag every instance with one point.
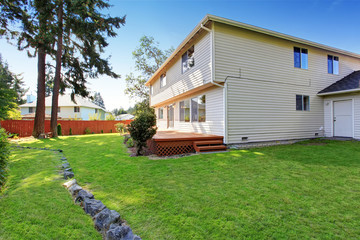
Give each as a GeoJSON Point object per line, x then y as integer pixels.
{"type": "Point", "coordinates": [339, 92]}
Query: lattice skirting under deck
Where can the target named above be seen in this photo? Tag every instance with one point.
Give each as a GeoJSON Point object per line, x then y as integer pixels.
{"type": "Point", "coordinates": [171, 147]}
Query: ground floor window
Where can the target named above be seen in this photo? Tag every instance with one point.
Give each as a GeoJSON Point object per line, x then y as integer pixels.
{"type": "Point", "coordinates": [31, 109]}
{"type": "Point", "coordinates": [161, 113]}
{"type": "Point", "coordinates": [194, 109]}
{"type": "Point", "coordinates": [302, 103]}
{"type": "Point", "coordinates": [185, 111]}
{"type": "Point", "coordinates": [76, 109]}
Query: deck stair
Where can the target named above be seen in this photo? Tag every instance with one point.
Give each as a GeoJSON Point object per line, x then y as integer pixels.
{"type": "Point", "coordinates": [209, 146]}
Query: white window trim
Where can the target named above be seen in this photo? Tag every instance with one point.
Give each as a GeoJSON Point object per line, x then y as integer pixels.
{"type": "Point", "coordinates": [301, 66]}
{"type": "Point", "coordinates": [302, 103]}
{"type": "Point", "coordinates": [163, 80]}
{"type": "Point", "coordinates": [327, 59]}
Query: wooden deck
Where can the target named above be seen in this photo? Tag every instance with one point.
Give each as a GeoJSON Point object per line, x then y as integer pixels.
{"type": "Point", "coordinates": [161, 136]}
{"type": "Point", "coordinates": [166, 143]}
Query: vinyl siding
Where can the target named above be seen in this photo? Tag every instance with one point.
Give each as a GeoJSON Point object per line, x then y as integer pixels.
{"type": "Point", "coordinates": [214, 115]}
{"type": "Point", "coordinates": [328, 112]}
{"type": "Point", "coordinates": [178, 82]}
{"type": "Point", "coordinates": [261, 92]}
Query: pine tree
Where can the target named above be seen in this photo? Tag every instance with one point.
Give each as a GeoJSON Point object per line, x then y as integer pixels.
{"type": "Point", "coordinates": [30, 23]}
{"type": "Point", "coordinates": [82, 31]}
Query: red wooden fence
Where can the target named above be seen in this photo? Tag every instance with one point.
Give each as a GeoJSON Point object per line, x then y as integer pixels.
{"type": "Point", "coordinates": [24, 128]}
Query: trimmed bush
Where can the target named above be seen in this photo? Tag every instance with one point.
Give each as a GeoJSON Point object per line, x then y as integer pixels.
{"type": "Point", "coordinates": [70, 131]}
{"type": "Point", "coordinates": [4, 156]}
{"type": "Point", "coordinates": [87, 130]}
{"type": "Point", "coordinates": [59, 130]}
{"type": "Point", "coordinates": [142, 129]}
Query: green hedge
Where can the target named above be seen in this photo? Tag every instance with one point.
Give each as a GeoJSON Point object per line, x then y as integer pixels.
{"type": "Point", "coordinates": [4, 156]}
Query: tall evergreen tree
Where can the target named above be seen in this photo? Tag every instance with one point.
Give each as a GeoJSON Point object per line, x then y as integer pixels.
{"type": "Point", "coordinates": [11, 90]}
{"type": "Point", "coordinates": [79, 30]}
{"type": "Point", "coordinates": [98, 100]}
{"type": "Point", "coordinates": [82, 31]}
{"type": "Point", "coordinates": [30, 23]}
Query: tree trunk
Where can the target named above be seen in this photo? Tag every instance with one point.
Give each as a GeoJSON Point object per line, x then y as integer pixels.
{"type": "Point", "coordinates": [39, 123]}
{"type": "Point", "coordinates": [57, 79]}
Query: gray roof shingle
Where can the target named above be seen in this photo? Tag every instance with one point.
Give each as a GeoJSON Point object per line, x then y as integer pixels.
{"type": "Point", "coordinates": [351, 81]}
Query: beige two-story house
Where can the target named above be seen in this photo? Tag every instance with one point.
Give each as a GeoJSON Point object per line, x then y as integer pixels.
{"type": "Point", "coordinates": [250, 84]}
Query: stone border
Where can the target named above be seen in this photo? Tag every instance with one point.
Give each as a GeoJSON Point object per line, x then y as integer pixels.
{"type": "Point", "coordinates": [107, 222]}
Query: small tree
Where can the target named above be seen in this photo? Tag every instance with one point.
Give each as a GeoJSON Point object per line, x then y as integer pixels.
{"type": "Point", "coordinates": [142, 129]}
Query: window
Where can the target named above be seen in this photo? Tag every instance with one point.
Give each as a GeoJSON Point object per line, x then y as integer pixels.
{"type": "Point", "coordinates": [96, 111]}
{"type": "Point", "coordinates": [302, 103]}
{"type": "Point", "coordinates": [58, 109]}
{"type": "Point", "coordinates": [188, 60]}
{"type": "Point", "coordinates": [31, 109]}
{"type": "Point", "coordinates": [151, 90]}
{"type": "Point", "coordinates": [185, 111]}
{"type": "Point", "coordinates": [161, 113]}
{"type": "Point", "coordinates": [333, 64]}
{"type": "Point", "coordinates": [300, 58]}
{"type": "Point", "coordinates": [198, 110]}
{"type": "Point", "coordinates": [76, 109]}
{"type": "Point", "coordinates": [163, 80]}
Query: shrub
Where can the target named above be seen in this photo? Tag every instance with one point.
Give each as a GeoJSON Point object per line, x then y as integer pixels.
{"type": "Point", "coordinates": [87, 130]}
{"type": "Point", "coordinates": [70, 131]}
{"type": "Point", "coordinates": [130, 143]}
{"type": "Point", "coordinates": [110, 130]}
{"type": "Point", "coordinates": [110, 117]}
{"type": "Point", "coordinates": [59, 130]}
{"type": "Point", "coordinates": [102, 131]}
{"type": "Point", "coordinates": [4, 156]}
{"type": "Point", "coordinates": [120, 128]}
{"type": "Point", "coordinates": [142, 129]}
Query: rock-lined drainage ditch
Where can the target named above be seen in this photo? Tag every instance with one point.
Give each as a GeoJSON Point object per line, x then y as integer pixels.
{"type": "Point", "coordinates": [107, 222]}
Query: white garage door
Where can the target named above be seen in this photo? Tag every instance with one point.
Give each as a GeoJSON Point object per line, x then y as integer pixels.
{"type": "Point", "coordinates": [343, 119]}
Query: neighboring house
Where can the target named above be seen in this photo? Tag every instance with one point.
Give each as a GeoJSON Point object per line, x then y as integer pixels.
{"type": "Point", "coordinates": [126, 116]}
{"type": "Point", "coordinates": [250, 84]}
{"type": "Point", "coordinates": [83, 109]}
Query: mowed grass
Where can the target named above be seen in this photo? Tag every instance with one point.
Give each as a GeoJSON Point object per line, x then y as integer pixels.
{"type": "Point", "coordinates": [34, 205]}
{"type": "Point", "coordinates": [298, 191]}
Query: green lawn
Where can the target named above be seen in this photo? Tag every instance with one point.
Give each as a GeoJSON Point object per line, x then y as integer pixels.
{"type": "Point", "coordinates": [34, 205]}
{"type": "Point", "coordinates": [298, 191]}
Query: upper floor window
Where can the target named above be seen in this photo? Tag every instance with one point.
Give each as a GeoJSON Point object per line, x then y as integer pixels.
{"type": "Point", "coordinates": [333, 64]}
{"type": "Point", "coordinates": [300, 58]}
{"type": "Point", "coordinates": [188, 60]}
{"type": "Point", "coordinates": [76, 109]}
{"type": "Point", "coordinates": [302, 103]}
{"type": "Point", "coordinates": [161, 113]}
{"type": "Point", "coordinates": [31, 109]}
{"type": "Point", "coordinates": [185, 111]}
{"type": "Point", "coordinates": [163, 80]}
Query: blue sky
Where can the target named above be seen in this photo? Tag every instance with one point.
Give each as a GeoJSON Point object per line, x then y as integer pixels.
{"type": "Point", "coordinates": [331, 22]}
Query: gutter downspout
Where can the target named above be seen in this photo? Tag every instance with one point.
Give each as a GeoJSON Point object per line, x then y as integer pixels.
{"type": "Point", "coordinates": [212, 55]}
{"type": "Point", "coordinates": [212, 48]}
